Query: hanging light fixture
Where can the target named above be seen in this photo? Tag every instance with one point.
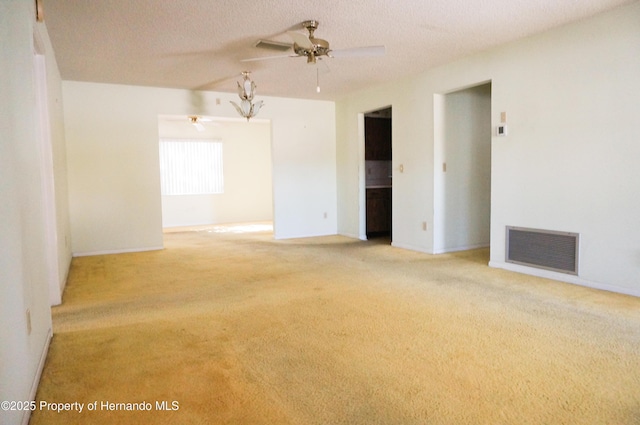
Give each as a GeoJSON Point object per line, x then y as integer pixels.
{"type": "Point", "coordinates": [246, 90]}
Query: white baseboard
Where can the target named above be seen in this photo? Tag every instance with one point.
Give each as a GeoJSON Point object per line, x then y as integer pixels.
{"type": "Point", "coordinates": [352, 236]}
{"type": "Point", "coordinates": [410, 247]}
{"type": "Point", "coordinates": [461, 248]}
{"type": "Point", "coordinates": [440, 251]}
{"type": "Point", "coordinates": [563, 278]}
{"type": "Point", "coordinates": [117, 251]}
{"type": "Point", "coordinates": [26, 416]}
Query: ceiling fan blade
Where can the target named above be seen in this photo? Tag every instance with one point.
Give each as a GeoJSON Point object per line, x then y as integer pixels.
{"type": "Point", "coordinates": [300, 39]}
{"type": "Point", "coordinates": [357, 52]}
{"type": "Point", "coordinates": [268, 58]}
{"type": "Point", "coordinates": [273, 45]}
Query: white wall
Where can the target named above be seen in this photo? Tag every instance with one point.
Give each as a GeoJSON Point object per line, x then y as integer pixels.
{"type": "Point", "coordinates": [569, 162]}
{"type": "Point", "coordinates": [24, 282]}
{"type": "Point", "coordinates": [248, 192]}
{"type": "Point", "coordinates": [112, 144]}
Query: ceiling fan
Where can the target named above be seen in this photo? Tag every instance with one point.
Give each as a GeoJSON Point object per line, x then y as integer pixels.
{"type": "Point", "coordinates": [315, 48]}
{"type": "Point", "coordinates": [196, 120]}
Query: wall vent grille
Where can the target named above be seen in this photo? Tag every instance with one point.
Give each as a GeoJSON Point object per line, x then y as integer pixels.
{"type": "Point", "coordinates": [545, 249]}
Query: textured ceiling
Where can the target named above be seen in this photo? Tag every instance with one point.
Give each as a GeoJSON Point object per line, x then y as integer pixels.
{"type": "Point", "coordinates": [198, 44]}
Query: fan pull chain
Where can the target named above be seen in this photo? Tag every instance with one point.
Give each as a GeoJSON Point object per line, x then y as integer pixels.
{"type": "Point", "coordinates": [317, 80]}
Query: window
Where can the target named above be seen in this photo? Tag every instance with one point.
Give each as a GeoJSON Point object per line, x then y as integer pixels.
{"type": "Point", "coordinates": [191, 166]}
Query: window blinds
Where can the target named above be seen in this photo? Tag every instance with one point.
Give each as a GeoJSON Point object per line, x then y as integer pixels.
{"type": "Point", "coordinates": [191, 166]}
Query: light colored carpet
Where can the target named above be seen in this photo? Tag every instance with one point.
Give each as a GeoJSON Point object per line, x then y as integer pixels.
{"type": "Point", "coordinates": [240, 329]}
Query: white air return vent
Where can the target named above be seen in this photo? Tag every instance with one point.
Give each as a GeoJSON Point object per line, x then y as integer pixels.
{"type": "Point", "coordinates": [544, 249]}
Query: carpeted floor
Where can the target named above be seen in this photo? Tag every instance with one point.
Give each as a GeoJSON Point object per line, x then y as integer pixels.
{"type": "Point", "coordinates": [226, 327]}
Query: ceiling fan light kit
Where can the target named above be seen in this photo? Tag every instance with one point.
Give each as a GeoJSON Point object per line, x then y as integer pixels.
{"type": "Point", "coordinates": [246, 91]}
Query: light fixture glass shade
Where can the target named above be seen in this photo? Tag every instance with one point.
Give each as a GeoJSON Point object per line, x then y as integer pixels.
{"type": "Point", "coordinates": [246, 90]}
{"type": "Point", "coordinates": [256, 107]}
{"type": "Point", "coordinates": [249, 86]}
{"type": "Point", "coordinates": [245, 105]}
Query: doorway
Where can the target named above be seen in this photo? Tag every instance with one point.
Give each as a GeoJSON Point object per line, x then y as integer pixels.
{"type": "Point", "coordinates": [56, 284]}
{"type": "Point", "coordinates": [462, 169]}
{"type": "Point", "coordinates": [233, 157]}
{"type": "Point", "coordinates": [378, 174]}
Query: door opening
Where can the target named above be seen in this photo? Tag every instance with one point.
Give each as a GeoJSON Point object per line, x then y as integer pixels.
{"type": "Point", "coordinates": [378, 174]}
{"type": "Point", "coordinates": [56, 284]}
{"type": "Point", "coordinates": [462, 202]}
{"type": "Point", "coordinates": [219, 172]}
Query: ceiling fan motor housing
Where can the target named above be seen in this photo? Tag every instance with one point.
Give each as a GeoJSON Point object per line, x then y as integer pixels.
{"type": "Point", "coordinates": [320, 46]}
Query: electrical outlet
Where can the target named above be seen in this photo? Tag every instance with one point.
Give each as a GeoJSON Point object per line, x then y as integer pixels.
{"type": "Point", "coordinates": [424, 226]}
{"type": "Point", "coordinates": [444, 167]}
{"type": "Point", "coordinates": [325, 215]}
